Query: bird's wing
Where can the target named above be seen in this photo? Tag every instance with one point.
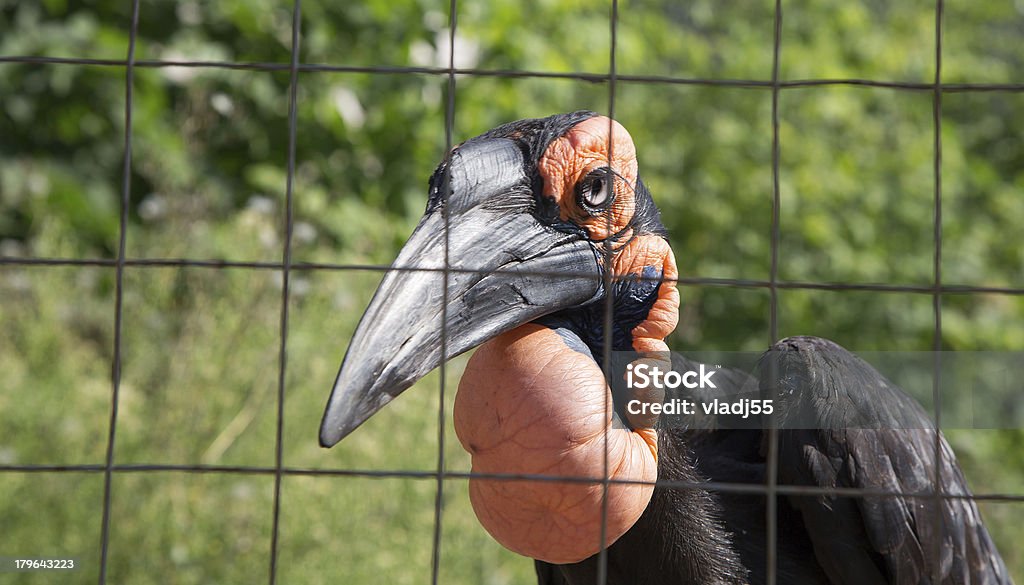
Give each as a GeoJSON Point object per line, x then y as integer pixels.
{"type": "Point", "coordinates": [844, 425]}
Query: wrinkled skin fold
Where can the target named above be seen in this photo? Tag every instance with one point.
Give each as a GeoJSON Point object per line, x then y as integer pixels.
{"type": "Point", "coordinates": [529, 404]}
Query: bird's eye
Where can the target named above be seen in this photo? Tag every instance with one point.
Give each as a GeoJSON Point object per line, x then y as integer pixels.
{"type": "Point", "coordinates": [595, 191]}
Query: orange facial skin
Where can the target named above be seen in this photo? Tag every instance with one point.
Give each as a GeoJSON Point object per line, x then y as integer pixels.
{"type": "Point", "coordinates": [584, 148]}
{"type": "Point", "coordinates": [649, 335]}
{"type": "Point", "coordinates": [570, 158]}
{"type": "Point", "coordinates": [530, 404]}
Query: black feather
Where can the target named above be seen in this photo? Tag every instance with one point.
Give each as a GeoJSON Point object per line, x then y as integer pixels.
{"type": "Point", "coordinates": [857, 430]}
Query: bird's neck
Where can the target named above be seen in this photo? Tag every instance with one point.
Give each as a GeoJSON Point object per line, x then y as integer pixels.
{"type": "Point", "coordinates": [678, 539]}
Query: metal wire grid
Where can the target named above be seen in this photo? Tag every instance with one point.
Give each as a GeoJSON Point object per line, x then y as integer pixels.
{"type": "Point", "coordinates": [770, 489]}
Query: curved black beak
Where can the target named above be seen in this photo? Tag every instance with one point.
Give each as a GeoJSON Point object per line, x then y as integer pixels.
{"type": "Point", "coordinates": [506, 268]}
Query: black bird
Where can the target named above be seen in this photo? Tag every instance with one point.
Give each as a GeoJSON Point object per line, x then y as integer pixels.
{"type": "Point", "coordinates": [544, 223]}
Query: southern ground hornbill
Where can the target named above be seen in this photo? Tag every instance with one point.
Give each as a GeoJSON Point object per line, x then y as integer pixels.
{"type": "Point", "coordinates": [540, 212]}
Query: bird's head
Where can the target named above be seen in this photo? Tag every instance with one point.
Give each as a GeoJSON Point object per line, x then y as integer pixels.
{"type": "Point", "coordinates": [529, 218]}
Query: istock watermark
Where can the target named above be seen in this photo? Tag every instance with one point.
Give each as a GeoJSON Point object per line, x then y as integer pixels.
{"type": "Point", "coordinates": [826, 388]}
{"type": "Point", "coordinates": [644, 375]}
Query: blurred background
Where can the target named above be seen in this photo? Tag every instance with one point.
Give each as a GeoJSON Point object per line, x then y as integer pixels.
{"type": "Point", "coordinates": [209, 166]}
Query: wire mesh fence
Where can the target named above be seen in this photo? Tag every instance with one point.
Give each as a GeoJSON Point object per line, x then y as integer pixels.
{"type": "Point", "coordinates": [937, 288]}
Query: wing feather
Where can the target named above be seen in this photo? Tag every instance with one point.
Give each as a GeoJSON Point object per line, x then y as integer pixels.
{"type": "Point", "coordinates": [844, 425]}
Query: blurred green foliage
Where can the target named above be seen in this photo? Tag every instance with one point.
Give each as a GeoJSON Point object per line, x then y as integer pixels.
{"type": "Point", "coordinates": [200, 345]}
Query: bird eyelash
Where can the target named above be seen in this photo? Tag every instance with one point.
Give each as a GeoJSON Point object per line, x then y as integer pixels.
{"type": "Point", "coordinates": [613, 177]}
{"type": "Point", "coordinates": [616, 177]}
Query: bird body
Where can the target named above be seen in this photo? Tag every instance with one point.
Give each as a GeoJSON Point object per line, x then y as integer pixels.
{"type": "Point", "coordinates": [547, 227]}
